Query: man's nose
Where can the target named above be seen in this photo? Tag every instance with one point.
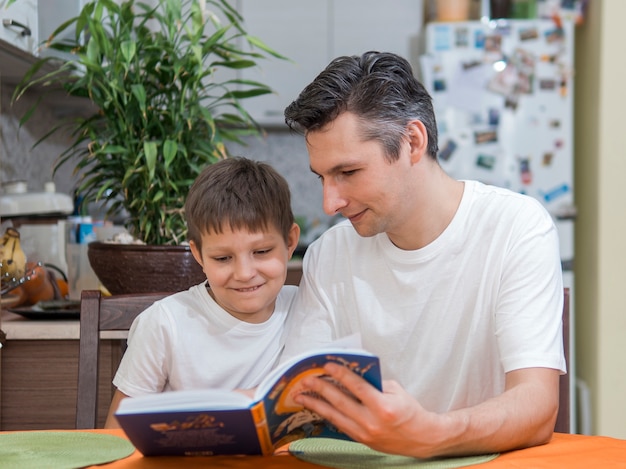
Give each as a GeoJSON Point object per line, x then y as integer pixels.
{"type": "Point", "coordinates": [333, 201]}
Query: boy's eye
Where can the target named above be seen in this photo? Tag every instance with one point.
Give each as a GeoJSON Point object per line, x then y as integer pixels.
{"type": "Point", "coordinates": [221, 258]}
{"type": "Point", "coordinates": [263, 251]}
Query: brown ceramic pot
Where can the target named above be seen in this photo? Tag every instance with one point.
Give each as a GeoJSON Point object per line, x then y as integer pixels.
{"type": "Point", "coordinates": [136, 268]}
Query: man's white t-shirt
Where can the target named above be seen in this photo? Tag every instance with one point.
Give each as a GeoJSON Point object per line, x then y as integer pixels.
{"type": "Point", "coordinates": [187, 341]}
{"type": "Point", "coordinates": [450, 319]}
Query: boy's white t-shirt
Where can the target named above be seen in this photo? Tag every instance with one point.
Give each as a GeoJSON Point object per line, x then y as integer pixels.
{"type": "Point", "coordinates": [450, 319]}
{"type": "Point", "coordinates": [187, 341]}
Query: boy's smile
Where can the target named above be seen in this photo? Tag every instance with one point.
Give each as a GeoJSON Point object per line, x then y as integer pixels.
{"type": "Point", "coordinates": [246, 270]}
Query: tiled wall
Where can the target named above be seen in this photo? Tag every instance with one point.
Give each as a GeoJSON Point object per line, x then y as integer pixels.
{"type": "Point", "coordinates": [20, 161]}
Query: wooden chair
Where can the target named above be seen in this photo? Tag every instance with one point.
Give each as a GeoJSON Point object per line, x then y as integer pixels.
{"type": "Point", "coordinates": [563, 417]}
{"type": "Point", "coordinates": [101, 313]}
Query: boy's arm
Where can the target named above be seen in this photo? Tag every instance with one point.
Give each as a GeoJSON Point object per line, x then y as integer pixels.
{"type": "Point", "coordinates": [111, 421]}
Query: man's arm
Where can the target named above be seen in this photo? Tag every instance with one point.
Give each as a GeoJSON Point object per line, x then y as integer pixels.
{"type": "Point", "coordinates": [111, 421]}
{"type": "Point", "coordinates": [394, 422]}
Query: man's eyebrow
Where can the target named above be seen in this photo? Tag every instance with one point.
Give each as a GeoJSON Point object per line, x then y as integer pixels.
{"type": "Point", "coordinates": [336, 169]}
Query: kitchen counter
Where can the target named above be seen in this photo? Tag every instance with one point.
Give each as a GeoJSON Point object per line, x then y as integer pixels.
{"type": "Point", "coordinates": [39, 372]}
{"type": "Point", "coordinates": [18, 327]}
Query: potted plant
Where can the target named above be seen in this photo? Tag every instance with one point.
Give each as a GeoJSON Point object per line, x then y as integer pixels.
{"type": "Point", "coordinates": [152, 71]}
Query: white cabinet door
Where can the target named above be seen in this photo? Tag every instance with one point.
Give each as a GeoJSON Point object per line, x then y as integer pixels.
{"type": "Point", "coordinates": [386, 26]}
{"type": "Point", "coordinates": [19, 24]}
{"type": "Point", "coordinates": [311, 33]}
{"type": "Point", "coordinates": [296, 29]}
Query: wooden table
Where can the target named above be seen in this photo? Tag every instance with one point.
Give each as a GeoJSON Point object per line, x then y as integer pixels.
{"type": "Point", "coordinates": [564, 451]}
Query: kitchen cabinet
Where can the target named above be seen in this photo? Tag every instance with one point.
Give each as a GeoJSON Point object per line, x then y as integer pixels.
{"type": "Point", "coordinates": [14, 63]}
{"type": "Point", "coordinates": [311, 34]}
{"type": "Point", "coordinates": [39, 366]}
{"type": "Point", "coordinates": [18, 53]}
{"type": "Point", "coordinates": [20, 25]}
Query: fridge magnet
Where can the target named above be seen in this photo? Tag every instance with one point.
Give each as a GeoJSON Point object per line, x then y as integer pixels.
{"type": "Point", "coordinates": [502, 27]}
{"type": "Point", "coordinates": [503, 82]}
{"type": "Point", "coordinates": [446, 152]}
{"type": "Point", "coordinates": [526, 176]}
{"type": "Point", "coordinates": [524, 62]}
{"type": "Point", "coordinates": [554, 35]}
{"type": "Point", "coordinates": [485, 136]}
{"type": "Point", "coordinates": [493, 43]}
{"type": "Point", "coordinates": [547, 158]}
{"type": "Point", "coordinates": [494, 117]}
{"type": "Point", "coordinates": [442, 37]}
{"type": "Point", "coordinates": [549, 58]}
{"type": "Point", "coordinates": [486, 161]}
{"type": "Point", "coordinates": [527, 34]}
{"type": "Point", "coordinates": [547, 84]}
{"type": "Point", "coordinates": [555, 193]}
{"type": "Point", "coordinates": [471, 64]}
{"type": "Point", "coordinates": [558, 143]}
{"type": "Point", "coordinates": [479, 39]}
{"type": "Point", "coordinates": [554, 123]}
{"type": "Point", "coordinates": [439, 84]}
{"type": "Point", "coordinates": [461, 36]}
{"type": "Point", "coordinates": [563, 88]}
{"type": "Point", "coordinates": [511, 101]}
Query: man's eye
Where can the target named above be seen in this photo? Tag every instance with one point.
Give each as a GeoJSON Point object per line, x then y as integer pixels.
{"type": "Point", "coordinates": [349, 173]}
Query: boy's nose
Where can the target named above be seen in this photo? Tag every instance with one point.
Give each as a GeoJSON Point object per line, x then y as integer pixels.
{"type": "Point", "coordinates": [244, 269]}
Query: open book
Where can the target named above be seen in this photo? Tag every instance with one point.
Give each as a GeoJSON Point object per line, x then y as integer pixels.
{"type": "Point", "coordinates": [212, 422]}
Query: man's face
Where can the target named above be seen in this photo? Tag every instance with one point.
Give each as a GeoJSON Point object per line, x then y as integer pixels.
{"type": "Point", "coordinates": [358, 181]}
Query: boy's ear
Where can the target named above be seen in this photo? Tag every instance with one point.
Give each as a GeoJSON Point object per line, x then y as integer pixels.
{"type": "Point", "coordinates": [196, 253]}
{"type": "Point", "coordinates": [293, 238]}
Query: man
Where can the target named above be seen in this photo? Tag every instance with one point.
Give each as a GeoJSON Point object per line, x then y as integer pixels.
{"type": "Point", "coordinates": [454, 284]}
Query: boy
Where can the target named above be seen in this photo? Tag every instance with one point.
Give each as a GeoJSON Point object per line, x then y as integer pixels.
{"type": "Point", "coordinates": [225, 333]}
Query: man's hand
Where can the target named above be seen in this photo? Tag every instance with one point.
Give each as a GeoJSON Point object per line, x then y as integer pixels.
{"type": "Point", "coordinates": [392, 421]}
{"type": "Point", "coordinates": [382, 421]}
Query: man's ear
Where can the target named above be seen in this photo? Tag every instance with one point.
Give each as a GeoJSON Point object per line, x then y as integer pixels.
{"type": "Point", "coordinates": [418, 140]}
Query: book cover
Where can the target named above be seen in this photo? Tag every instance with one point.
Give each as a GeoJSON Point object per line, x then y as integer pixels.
{"type": "Point", "coordinates": [212, 422]}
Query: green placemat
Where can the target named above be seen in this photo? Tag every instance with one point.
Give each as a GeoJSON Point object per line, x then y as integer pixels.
{"type": "Point", "coordinates": [350, 455]}
{"type": "Point", "coordinates": [60, 450]}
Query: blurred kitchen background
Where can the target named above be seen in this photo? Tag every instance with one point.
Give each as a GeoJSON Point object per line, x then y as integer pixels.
{"type": "Point", "coordinates": [311, 34]}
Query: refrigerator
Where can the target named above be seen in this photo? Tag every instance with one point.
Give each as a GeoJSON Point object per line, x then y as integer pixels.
{"type": "Point", "coordinates": [503, 96]}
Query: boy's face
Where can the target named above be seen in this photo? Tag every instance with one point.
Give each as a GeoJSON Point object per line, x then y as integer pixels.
{"type": "Point", "coordinates": [246, 270]}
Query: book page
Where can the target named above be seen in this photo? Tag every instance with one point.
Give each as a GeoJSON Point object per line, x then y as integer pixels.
{"type": "Point", "coordinates": [188, 400]}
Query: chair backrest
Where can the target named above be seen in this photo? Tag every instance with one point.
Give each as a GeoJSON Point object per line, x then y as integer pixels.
{"type": "Point", "coordinates": [101, 313]}
{"type": "Point", "coordinates": [563, 417]}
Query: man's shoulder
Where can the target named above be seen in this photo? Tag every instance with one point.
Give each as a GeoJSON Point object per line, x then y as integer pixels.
{"type": "Point", "coordinates": [500, 198]}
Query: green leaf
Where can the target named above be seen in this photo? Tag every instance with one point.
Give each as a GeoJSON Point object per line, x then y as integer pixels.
{"type": "Point", "coordinates": [139, 92]}
{"type": "Point", "coordinates": [150, 151]}
{"type": "Point", "coordinates": [170, 148]}
{"type": "Point", "coordinates": [128, 51]}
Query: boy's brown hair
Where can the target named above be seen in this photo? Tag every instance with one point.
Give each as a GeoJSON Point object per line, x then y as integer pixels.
{"type": "Point", "coordinates": [241, 194]}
